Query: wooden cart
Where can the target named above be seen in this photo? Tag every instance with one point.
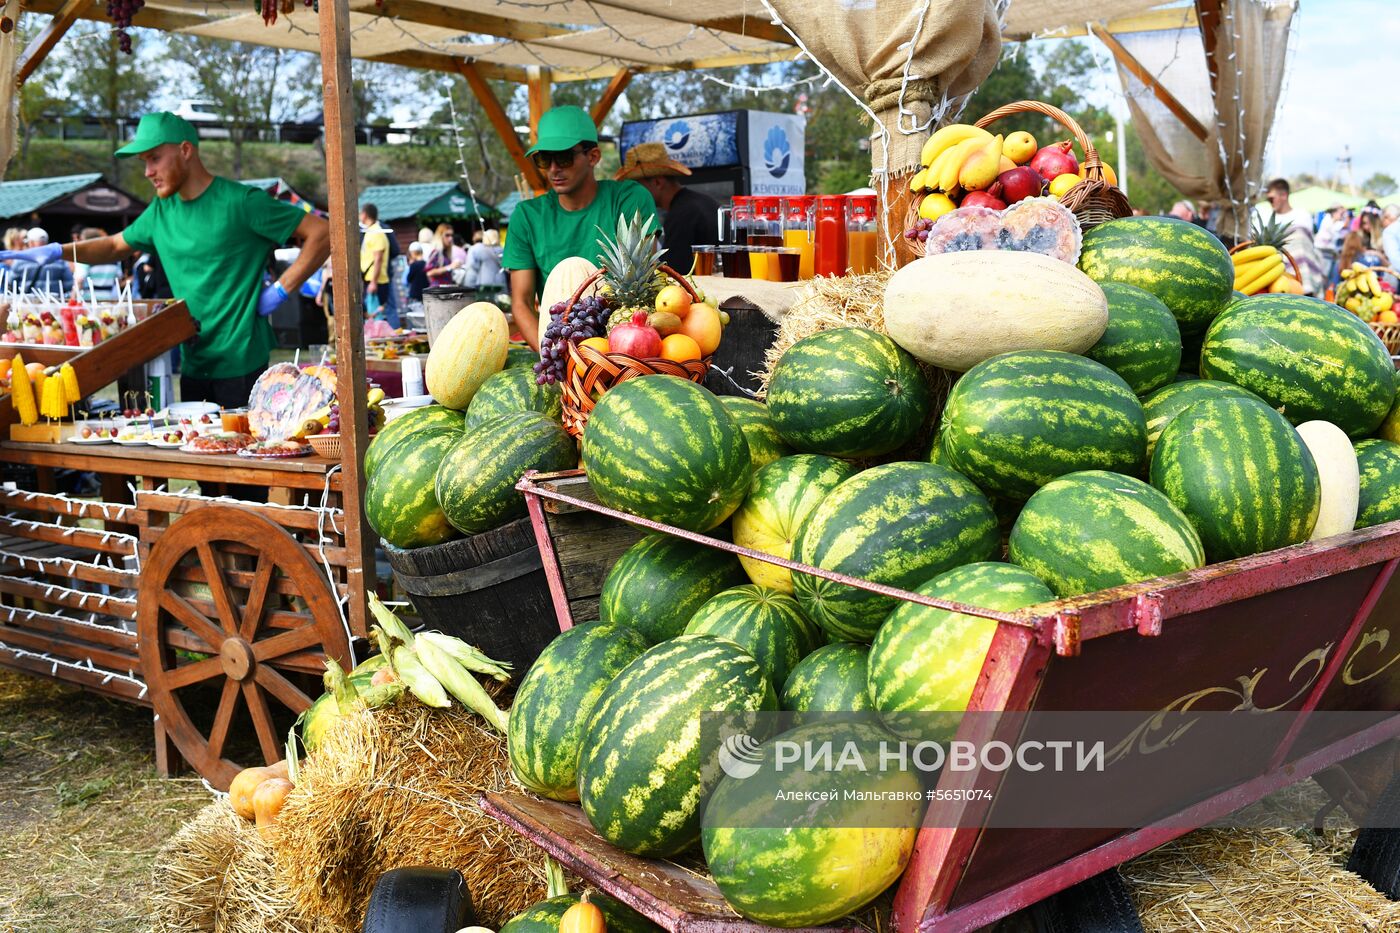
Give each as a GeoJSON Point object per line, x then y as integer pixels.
{"type": "Point", "coordinates": [1309, 630]}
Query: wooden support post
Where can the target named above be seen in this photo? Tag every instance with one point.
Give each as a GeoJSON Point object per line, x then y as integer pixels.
{"type": "Point", "coordinates": [42, 44]}
{"type": "Point", "coordinates": [343, 190]}
{"type": "Point", "coordinates": [611, 93]}
{"type": "Point", "coordinates": [497, 115]}
{"type": "Point", "coordinates": [537, 81]}
{"type": "Point", "coordinates": [1139, 71]}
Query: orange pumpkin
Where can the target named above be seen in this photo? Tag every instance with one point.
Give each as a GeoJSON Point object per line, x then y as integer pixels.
{"type": "Point", "coordinates": [280, 769]}
{"type": "Point", "coordinates": [268, 801]}
{"type": "Point", "coordinates": [583, 917]}
{"type": "Point", "coordinates": [240, 792]}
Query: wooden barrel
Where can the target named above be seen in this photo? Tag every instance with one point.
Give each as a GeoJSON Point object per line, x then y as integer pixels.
{"type": "Point", "coordinates": [740, 354]}
{"type": "Point", "coordinates": [488, 590]}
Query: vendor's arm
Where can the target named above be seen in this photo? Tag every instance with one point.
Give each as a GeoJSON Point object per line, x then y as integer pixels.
{"type": "Point", "coordinates": [106, 249]}
{"type": "Point", "coordinates": [315, 235]}
{"type": "Point", "coordinates": [522, 305]}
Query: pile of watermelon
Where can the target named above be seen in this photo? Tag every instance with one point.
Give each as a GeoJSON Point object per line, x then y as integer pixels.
{"type": "Point", "coordinates": [436, 473]}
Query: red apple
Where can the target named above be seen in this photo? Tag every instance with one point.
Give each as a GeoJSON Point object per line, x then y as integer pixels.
{"type": "Point", "coordinates": [1020, 183]}
{"type": "Point", "coordinates": [1055, 160]}
{"type": "Point", "coordinates": [983, 199]}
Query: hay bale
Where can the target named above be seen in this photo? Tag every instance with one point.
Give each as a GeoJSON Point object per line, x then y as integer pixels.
{"type": "Point", "coordinates": [399, 786]}
{"type": "Point", "coordinates": [217, 874]}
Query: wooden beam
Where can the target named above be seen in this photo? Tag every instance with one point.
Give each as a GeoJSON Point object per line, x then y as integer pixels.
{"type": "Point", "coordinates": [611, 93]}
{"type": "Point", "coordinates": [1139, 71]}
{"type": "Point", "coordinates": [148, 17]}
{"type": "Point", "coordinates": [1208, 14]}
{"type": "Point", "coordinates": [41, 45]}
{"type": "Point", "coordinates": [444, 17]}
{"type": "Point", "coordinates": [342, 185]}
{"type": "Point", "coordinates": [752, 26]}
{"type": "Point", "coordinates": [538, 86]}
{"type": "Point", "coordinates": [1183, 17]}
{"type": "Point", "coordinates": [497, 115]}
{"type": "Point", "coordinates": [449, 64]}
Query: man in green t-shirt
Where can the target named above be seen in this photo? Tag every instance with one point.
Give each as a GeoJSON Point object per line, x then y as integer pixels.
{"type": "Point", "coordinates": [214, 237]}
{"type": "Point", "coordinates": [565, 220]}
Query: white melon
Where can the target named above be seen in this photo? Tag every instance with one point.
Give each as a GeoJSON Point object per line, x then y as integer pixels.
{"type": "Point", "coordinates": [1338, 474]}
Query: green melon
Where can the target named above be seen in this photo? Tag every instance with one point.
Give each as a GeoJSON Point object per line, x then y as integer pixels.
{"type": "Point", "coordinates": [427, 418]}
{"type": "Point", "coordinates": [1171, 400]}
{"type": "Point", "coordinates": [665, 449]}
{"type": "Point", "coordinates": [544, 917]}
{"type": "Point", "coordinates": [659, 582]}
{"type": "Point", "coordinates": [1241, 474]}
{"type": "Point", "coordinates": [475, 482]}
{"type": "Point", "coordinates": [1310, 359]}
{"type": "Point", "coordinates": [1016, 421]}
{"type": "Point", "coordinates": [767, 624]}
{"type": "Point", "coordinates": [1142, 343]}
{"type": "Point", "coordinates": [753, 419]}
{"type": "Point", "coordinates": [511, 390]}
{"type": "Point", "coordinates": [1089, 531]}
{"type": "Point", "coordinates": [785, 862]}
{"type": "Point", "coordinates": [642, 777]}
{"type": "Point", "coordinates": [831, 679]}
{"type": "Point", "coordinates": [847, 392]}
{"type": "Point", "coordinates": [783, 494]}
{"type": "Point", "coordinates": [896, 524]}
{"type": "Point", "coordinates": [521, 356]}
{"type": "Point", "coordinates": [1182, 264]}
{"type": "Point", "coordinates": [927, 660]}
{"type": "Point", "coordinates": [400, 503]}
{"type": "Point", "coordinates": [1379, 463]}
{"type": "Point", "coordinates": [559, 693]}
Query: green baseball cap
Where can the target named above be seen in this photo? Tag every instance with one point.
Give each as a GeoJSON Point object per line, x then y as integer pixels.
{"type": "Point", "coordinates": [564, 128]}
{"type": "Point", "coordinates": [157, 129]}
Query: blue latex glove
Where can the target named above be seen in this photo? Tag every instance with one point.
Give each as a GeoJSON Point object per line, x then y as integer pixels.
{"type": "Point", "coordinates": [272, 298]}
{"type": "Point", "coordinates": [39, 255]}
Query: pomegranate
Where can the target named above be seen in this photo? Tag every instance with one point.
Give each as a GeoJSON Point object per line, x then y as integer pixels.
{"type": "Point", "coordinates": [636, 338]}
{"type": "Point", "coordinates": [983, 199]}
{"type": "Point", "coordinates": [1020, 183]}
{"type": "Point", "coordinates": [1056, 159]}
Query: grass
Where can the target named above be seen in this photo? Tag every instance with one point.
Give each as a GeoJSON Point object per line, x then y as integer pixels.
{"type": "Point", "coordinates": [83, 809]}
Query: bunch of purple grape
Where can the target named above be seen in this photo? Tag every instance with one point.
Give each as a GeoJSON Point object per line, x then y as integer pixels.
{"type": "Point", "coordinates": [589, 318]}
{"type": "Point", "coordinates": [920, 230]}
{"type": "Point", "coordinates": [333, 423]}
{"type": "Point", "coordinates": [121, 13]}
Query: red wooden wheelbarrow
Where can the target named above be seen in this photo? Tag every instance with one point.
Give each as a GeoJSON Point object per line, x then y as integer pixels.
{"type": "Point", "coordinates": [1311, 630]}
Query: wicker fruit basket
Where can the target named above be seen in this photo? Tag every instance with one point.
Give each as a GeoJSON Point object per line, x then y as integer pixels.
{"type": "Point", "coordinates": [590, 373]}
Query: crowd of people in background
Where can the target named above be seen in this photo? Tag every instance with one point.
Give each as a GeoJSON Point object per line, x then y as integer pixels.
{"type": "Point", "coordinates": [66, 278]}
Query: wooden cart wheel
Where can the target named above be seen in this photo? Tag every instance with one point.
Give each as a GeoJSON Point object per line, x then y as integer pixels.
{"type": "Point", "coordinates": [255, 651]}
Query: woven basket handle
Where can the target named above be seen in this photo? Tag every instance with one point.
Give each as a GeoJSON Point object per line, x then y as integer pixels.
{"type": "Point", "coordinates": [1093, 165]}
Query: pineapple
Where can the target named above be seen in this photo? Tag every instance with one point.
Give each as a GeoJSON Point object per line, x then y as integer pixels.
{"type": "Point", "coordinates": [1272, 233]}
{"type": "Point", "coordinates": [632, 263]}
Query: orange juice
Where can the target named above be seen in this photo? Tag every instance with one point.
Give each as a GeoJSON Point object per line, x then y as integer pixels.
{"type": "Point", "coordinates": [861, 250]}
{"type": "Point", "coordinates": [801, 240]}
{"type": "Point", "coordinates": [758, 265]}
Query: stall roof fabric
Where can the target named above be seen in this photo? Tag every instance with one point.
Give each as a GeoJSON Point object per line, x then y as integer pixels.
{"type": "Point", "coordinates": [18, 198]}
{"type": "Point", "coordinates": [576, 39]}
{"type": "Point", "coordinates": [429, 199]}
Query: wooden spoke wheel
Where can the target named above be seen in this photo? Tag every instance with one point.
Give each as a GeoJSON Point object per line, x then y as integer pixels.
{"type": "Point", "coordinates": [233, 616]}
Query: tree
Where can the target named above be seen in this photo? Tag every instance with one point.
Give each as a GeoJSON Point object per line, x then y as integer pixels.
{"type": "Point", "coordinates": [112, 86]}
{"type": "Point", "coordinates": [1380, 185]}
{"type": "Point", "coordinates": [239, 78]}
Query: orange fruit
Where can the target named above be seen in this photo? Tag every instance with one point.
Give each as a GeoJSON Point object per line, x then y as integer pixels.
{"type": "Point", "coordinates": [5, 367]}
{"type": "Point", "coordinates": [703, 326]}
{"type": "Point", "coordinates": [1109, 175]}
{"type": "Point", "coordinates": [680, 348]}
{"type": "Point", "coordinates": [597, 343]}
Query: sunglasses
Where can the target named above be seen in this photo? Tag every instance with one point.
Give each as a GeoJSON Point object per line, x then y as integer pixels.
{"type": "Point", "coordinates": [563, 159]}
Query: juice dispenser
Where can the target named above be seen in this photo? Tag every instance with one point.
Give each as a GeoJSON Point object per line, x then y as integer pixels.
{"type": "Point", "coordinates": [797, 230]}
{"type": "Point", "coordinates": [861, 237]}
{"type": "Point", "coordinates": [829, 231]}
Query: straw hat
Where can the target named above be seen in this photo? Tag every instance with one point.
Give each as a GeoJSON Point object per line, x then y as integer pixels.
{"type": "Point", "coordinates": [649, 160]}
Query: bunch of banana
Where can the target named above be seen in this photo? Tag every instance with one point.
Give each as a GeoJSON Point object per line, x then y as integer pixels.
{"type": "Point", "coordinates": [318, 422]}
{"type": "Point", "coordinates": [1256, 268]}
{"type": "Point", "coordinates": [434, 667]}
{"type": "Point", "coordinates": [1360, 293]}
{"type": "Point", "coordinates": [960, 157]}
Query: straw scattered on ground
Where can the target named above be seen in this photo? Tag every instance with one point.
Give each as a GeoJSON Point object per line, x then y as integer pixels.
{"type": "Point", "coordinates": [398, 786]}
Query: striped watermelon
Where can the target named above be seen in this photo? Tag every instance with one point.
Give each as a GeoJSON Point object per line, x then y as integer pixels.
{"type": "Point", "coordinates": [544, 917]}
{"type": "Point", "coordinates": [400, 503]}
{"type": "Point", "coordinates": [847, 392]}
{"type": "Point", "coordinates": [1310, 359]}
{"type": "Point", "coordinates": [1241, 474]}
{"type": "Point", "coordinates": [1379, 463]}
{"type": "Point", "coordinates": [898, 524]}
{"type": "Point", "coordinates": [665, 449]}
{"type": "Point", "coordinates": [510, 390]}
{"type": "Point", "coordinates": [1142, 343]}
{"type": "Point", "coordinates": [831, 679]}
{"type": "Point", "coordinates": [1093, 530]}
{"type": "Point", "coordinates": [642, 779]}
{"type": "Point", "coordinates": [1018, 420]}
{"type": "Point", "coordinates": [475, 483]}
{"type": "Point", "coordinates": [767, 624]}
{"type": "Point", "coordinates": [1171, 400]}
{"type": "Point", "coordinates": [927, 660]}
{"type": "Point", "coordinates": [518, 355]}
{"type": "Point", "coordinates": [559, 693]}
{"type": "Point", "coordinates": [782, 495]}
{"type": "Point", "coordinates": [427, 418]}
{"type": "Point", "coordinates": [753, 419]}
{"type": "Point", "coordinates": [780, 860]}
{"type": "Point", "coordinates": [1182, 264]}
{"type": "Point", "coordinates": [659, 582]}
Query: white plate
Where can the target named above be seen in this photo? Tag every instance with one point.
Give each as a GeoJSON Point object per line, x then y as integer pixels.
{"type": "Point", "coordinates": [132, 442]}
{"type": "Point", "coordinates": [75, 439]}
{"type": "Point", "coordinates": [190, 410]}
{"type": "Point", "coordinates": [166, 445]}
